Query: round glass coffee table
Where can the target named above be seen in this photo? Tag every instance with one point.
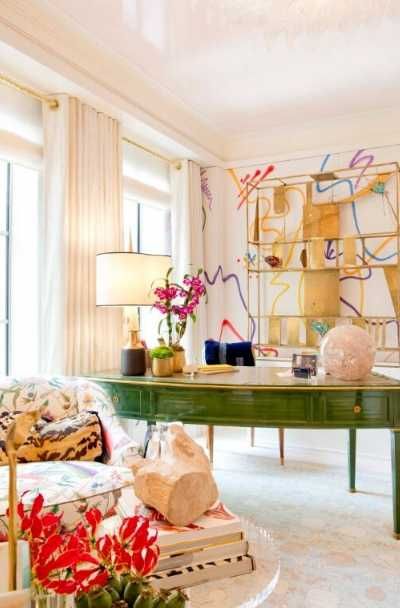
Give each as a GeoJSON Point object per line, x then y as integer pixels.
{"type": "Point", "coordinates": [247, 590]}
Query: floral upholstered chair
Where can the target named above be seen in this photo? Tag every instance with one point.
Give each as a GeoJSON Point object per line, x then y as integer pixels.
{"type": "Point", "coordinates": [69, 479]}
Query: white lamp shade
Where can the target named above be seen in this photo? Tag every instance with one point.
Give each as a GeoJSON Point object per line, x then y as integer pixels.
{"type": "Point", "coordinates": [129, 279]}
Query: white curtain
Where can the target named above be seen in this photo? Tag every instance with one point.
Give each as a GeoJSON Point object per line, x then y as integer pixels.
{"type": "Point", "coordinates": [187, 243]}
{"type": "Point", "coordinates": [82, 216]}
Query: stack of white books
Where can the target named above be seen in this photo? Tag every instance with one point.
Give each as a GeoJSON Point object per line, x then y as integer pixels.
{"type": "Point", "coordinates": [211, 548]}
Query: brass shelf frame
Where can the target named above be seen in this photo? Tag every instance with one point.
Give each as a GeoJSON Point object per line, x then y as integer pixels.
{"type": "Point", "coordinates": [256, 244]}
{"type": "Point", "coordinates": [281, 269]}
{"type": "Point", "coordinates": [364, 235]}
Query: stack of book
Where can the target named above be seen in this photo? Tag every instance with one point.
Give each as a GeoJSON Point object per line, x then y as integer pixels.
{"type": "Point", "coordinates": [211, 548]}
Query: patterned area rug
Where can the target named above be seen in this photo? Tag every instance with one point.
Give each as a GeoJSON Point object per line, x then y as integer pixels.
{"type": "Point", "coordinates": [336, 548]}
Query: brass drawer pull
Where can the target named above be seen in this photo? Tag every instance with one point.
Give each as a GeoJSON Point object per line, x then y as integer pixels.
{"type": "Point", "coordinates": [115, 399]}
{"type": "Point", "coordinates": [357, 409]}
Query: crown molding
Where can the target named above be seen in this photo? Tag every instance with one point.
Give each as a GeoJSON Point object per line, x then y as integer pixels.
{"type": "Point", "coordinates": [336, 134]}
{"type": "Point", "coordinates": [36, 29]}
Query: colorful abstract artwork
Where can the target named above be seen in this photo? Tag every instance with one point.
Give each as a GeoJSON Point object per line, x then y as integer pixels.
{"type": "Point", "coordinates": [271, 245]}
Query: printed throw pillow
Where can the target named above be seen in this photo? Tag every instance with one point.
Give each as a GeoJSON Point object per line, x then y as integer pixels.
{"type": "Point", "coordinates": [77, 437]}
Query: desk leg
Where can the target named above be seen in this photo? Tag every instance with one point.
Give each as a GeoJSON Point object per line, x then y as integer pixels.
{"type": "Point", "coordinates": [352, 447]}
{"type": "Point", "coordinates": [282, 445]}
{"type": "Point", "coordinates": [396, 482]}
{"type": "Point", "coordinates": [210, 443]}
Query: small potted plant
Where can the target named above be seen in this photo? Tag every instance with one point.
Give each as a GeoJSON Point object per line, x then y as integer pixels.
{"type": "Point", "coordinates": [162, 361]}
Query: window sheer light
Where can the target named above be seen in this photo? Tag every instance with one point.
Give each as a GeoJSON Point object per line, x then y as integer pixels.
{"type": "Point", "coordinates": [24, 271]}
{"type": "Point", "coordinates": [147, 230]}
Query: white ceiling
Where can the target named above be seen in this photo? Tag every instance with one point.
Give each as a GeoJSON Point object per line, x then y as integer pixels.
{"type": "Point", "coordinates": [249, 65]}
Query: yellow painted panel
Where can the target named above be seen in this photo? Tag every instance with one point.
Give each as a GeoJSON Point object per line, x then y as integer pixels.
{"type": "Point", "coordinates": [321, 293]}
{"type": "Point", "coordinates": [279, 200]}
{"type": "Point", "coordinates": [312, 337]}
{"type": "Point", "coordinates": [317, 253]}
{"type": "Point", "coordinates": [293, 331]}
{"type": "Point", "coordinates": [277, 250]}
{"type": "Point", "coordinates": [274, 331]}
{"type": "Point", "coordinates": [321, 297]}
{"type": "Point", "coordinates": [392, 279]}
{"type": "Point", "coordinates": [320, 220]}
{"type": "Point", "coordinates": [256, 228]}
{"type": "Point", "coordinates": [349, 251]}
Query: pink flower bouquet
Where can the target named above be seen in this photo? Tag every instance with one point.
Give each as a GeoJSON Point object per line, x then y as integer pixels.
{"type": "Point", "coordinates": [178, 304]}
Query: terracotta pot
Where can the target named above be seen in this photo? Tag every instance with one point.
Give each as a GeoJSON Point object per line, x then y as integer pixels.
{"type": "Point", "coordinates": [179, 360]}
{"type": "Point", "coordinates": [161, 368]}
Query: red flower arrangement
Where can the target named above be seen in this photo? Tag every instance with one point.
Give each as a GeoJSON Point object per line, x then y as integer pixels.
{"type": "Point", "coordinates": [104, 568]}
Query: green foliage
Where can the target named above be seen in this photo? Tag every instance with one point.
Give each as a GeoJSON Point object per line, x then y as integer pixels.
{"type": "Point", "coordinates": [100, 598]}
{"type": "Point", "coordinates": [132, 591]}
{"type": "Point", "coordinates": [127, 591]}
{"type": "Point", "coordinates": [161, 352]}
{"type": "Point", "coordinates": [177, 599]}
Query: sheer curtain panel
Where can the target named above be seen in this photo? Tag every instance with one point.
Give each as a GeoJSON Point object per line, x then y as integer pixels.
{"type": "Point", "coordinates": [82, 216]}
{"type": "Point", "coordinates": [187, 243]}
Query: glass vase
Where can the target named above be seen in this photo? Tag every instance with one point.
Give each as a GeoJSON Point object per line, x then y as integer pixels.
{"type": "Point", "coordinates": [51, 600]}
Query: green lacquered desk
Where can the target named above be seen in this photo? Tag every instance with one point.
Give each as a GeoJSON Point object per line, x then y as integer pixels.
{"type": "Point", "coordinates": [267, 397]}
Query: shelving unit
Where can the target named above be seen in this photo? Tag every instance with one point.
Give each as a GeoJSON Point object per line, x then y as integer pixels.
{"type": "Point", "coordinates": [327, 254]}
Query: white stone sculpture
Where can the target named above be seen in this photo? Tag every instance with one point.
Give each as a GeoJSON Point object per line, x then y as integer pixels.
{"type": "Point", "coordinates": [179, 483]}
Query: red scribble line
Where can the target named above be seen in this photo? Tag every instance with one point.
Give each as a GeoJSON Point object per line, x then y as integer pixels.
{"type": "Point", "coordinates": [265, 349]}
{"type": "Point", "coordinates": [261, 349]}
{"type": "Point", "coordinates": [227, 323]}
{"type": "Point", "coordinates": [258, 176]}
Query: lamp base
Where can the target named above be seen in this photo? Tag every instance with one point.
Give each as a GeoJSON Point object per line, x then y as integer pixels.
{"type": "Point", "coordinates": [133, 361]}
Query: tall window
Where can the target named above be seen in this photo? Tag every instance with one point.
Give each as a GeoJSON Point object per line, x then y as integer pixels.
{"type": "Point", "coordinates": [5, 182]}
{"type": "Point", "coordinates": [147, 230]}
{"type": "Point", "coordinates": [147, 217]}
{"type": "Point", "coordinates": [19, 272]}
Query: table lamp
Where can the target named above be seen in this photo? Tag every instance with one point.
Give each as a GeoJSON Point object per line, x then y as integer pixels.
{"type": "Point", "coordinates": [128, 279]}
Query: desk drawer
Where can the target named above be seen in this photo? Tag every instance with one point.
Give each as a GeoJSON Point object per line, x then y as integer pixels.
{"type": "Point", "coordinates": [238, 407]}
{"type": "Point", "coordinates": [127, 400]}
{"type": "Point", "coordinates": [171, 404]}
{"type": "Point", "coordinates": [372, 409]}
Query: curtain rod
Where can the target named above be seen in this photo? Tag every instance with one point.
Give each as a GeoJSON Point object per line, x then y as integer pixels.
{"type": "Point", "coordinates": [176, 163]}
{"type": "Point", "coordinates": [52, 103]}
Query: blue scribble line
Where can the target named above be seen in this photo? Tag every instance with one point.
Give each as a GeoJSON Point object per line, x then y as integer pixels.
{"type": "Point", "coordinates": [353, 208]}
